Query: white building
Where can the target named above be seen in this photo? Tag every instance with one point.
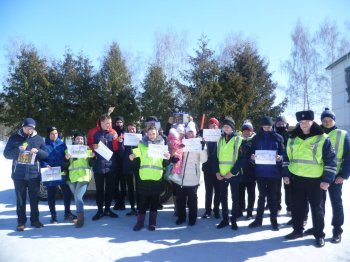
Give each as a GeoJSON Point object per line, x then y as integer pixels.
{"type": "Point", "coordinates": [340, 81]}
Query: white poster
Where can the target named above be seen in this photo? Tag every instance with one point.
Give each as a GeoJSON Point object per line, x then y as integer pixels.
{"type": "Point", "coordinates": [192, 144]}
{"type": "Point", "coordinates": [78, 151]}
{"type": "Point", "coordinates": [265, 157]}
{"type": "Point", "coordinates": [132, 139]}
{"type": "Point", "coordinates": [104, 151]}
{"type": "Point", "coordinates": [50, 173]}
{"type": "Point", "coordinates": [211, 135]}
{"type": "Point", "coordinates": [157, 151]}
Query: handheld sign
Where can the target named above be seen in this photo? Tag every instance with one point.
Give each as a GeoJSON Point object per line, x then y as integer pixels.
{"type": "Point", "coordinates": [104, 151]}
{"type": "Point", "coordinates": [132, 139]}
{"type": "Point", "coordinates": [211, 135]}
{"type": "Point", "coordinates": [192, 145]}
{"type": "Point", "coordinates": [157, 151]}
{"type": "Point", "coordinates": [265, 157]}
{"type": "Point", "coordinates": [50, 173]}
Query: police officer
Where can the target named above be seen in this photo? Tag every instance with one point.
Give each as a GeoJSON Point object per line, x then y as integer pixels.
{"type": "Point", "coordinates": [341, 143]}
{"type": "Point", "coordinates": [310, 167]}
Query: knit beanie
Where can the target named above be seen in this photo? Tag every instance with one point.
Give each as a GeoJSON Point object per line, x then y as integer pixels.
{"type": "Point", "coordinates": [247, 125]}
{"type": "Point", "coordinates": [229, 121]}
{"type": "Point", "coordinates": [327, 113]}
{"type": "Point", "coordinates": [266, 121]}
{"type": "Point", "coordinates": [28, 122]}
{"type": "Point", "coordinates": [50, 129]}
{"type": "Point", "coordinates": [214, 121]}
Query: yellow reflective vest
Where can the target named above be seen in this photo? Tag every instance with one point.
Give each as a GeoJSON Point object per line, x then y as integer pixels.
{"type": "Point", "coordinates": [150, 168]}
{"type": "Point", "coordinates": [79, 169]}
{"type": "Point", "coordinates": [337, 137]}
{"type": "Point", "coordinates": [228, 153]}
{"type": "Point", "coordinates": [305, 156]}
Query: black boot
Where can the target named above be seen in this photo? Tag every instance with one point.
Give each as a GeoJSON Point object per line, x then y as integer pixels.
{"type": "Point", "coordinates": [98, 215]}
{"type": "Point", "coordinates": [294, 235]}
{"type": "Point", "coordinates": [223, 223]}
{"type": "Point", "coordinates": [256, 223]}
{"type": "Point", "coordinates": [274, 224]}
{"type": "Point", "coordinates": [249, 215]}
{"type": "Point", "coordinates": [234, 225]}
{"type": "Point", "coordinates": [109, 213]}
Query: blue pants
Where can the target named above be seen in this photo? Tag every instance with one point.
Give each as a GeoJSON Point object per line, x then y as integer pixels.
{"type": "Point", "coordinates": [51, 198]}
{"type": "Point", "coordinates": [21, 188]}
{"type": "Point", "coordinates": [78, 189]}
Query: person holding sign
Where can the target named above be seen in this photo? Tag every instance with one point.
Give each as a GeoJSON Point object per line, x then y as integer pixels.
{"type": "Point", "coordinates": [79, 173]}
{"type": "Point", "coordinates": [105, 138]}
{"type": "Point", "coordinates": [151, 178]}
{"type": "Point", "coordinates": [231, 158]}
{"type": "Point", "coordinates": [125, 150]}
{"type": "Point", "coordinates": [310, 166]}
{"type": "Point", "coordinates": [56, 148]}
{"type": "Point", "coordinates": [267, 150]}
{"type": "Point", "coordinates": [212, 185]}
{"type": "Point", "coordinates": [186, 187]}
{"type": "Point", "coordinates": [26, 177]}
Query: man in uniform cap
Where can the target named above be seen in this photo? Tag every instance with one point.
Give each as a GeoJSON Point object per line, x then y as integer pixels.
{"type": "Point", "coordinates": [309, 165]}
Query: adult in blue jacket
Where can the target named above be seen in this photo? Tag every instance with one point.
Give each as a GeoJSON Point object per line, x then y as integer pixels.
{"type": "Point", "coordinates": [56, 149]}
{"type": "Point", "coordinates": [24, 145]}
{"type": "Point", "coordinates": [267, 175]}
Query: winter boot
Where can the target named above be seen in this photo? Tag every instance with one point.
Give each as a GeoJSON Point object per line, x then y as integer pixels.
{"type": "Point", "coordinates": [53, 219]}
{"type": "Point", "coordinates": [256, 223]}
{"type": "Point", "coordinates": [140, 222]}
{"type": "Point", "coordinates": [80, 220]}
{"type": "Point", "coordinates": [152, 221]}
{"type": "Point", "coordinates": [274, 224]}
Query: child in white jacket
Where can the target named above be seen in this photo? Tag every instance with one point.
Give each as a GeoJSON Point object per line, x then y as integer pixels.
{"type": "Point", "coordinates": [186, 188]}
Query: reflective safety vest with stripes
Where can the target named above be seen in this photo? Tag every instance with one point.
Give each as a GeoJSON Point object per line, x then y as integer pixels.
{"type": "Point", "coordinates": [150, 168]}
{"type": "Point", "coordinates": [337, 137]}
{"type": "Point", "coordinates": [228, 153]}
{"type": "Point", "coordinates": [305, 156]}
{"type": "Point", "coordinates": [79, 169]}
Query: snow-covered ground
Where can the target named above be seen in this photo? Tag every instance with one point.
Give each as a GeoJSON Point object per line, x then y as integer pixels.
{"type": "Point", "coordinates": [112, 239]}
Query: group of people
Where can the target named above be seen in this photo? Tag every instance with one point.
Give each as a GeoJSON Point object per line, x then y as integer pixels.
{"type": "Point", "coordinates": [311, 159]}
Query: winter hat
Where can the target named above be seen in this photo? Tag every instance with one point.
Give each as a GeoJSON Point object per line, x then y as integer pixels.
{"type": "Point", "coordinates": [214, 121]}
{"type": "Point", "coordinates": [229, 121]}
{"type": "Point", "coordinates": [152, 119]}
{"type": "Point", "coordinates": [120, 118]}
{"type": "Point", "coordinates": [78, 134]}
{"type": "Point", "coordinates": [50, 129]}
{"type": "Point", "coordinates": [304, 115]}
{"type": "Point", "coordinates": [247, 125]}
{"type": "Point", "coordinates": [29, 122]}
{"type": "Point", "coordinates": [266, 121]}
{"type": "Point", "coordinates": [180, 129]}
{"type": "Point", "coordinates": [281, 119]}
{"type": "Point", "coordinates": [174, 133]}
{"type": "Point", "coordinates": [327, 113]}
{"type": "Point", "coordinates": [191, 127]}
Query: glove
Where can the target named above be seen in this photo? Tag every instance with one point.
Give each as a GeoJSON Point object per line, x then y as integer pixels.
{"type": "Point", "coordinates": [174, 159]}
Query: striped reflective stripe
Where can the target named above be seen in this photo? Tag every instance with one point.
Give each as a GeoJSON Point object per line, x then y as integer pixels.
{"type": "Point", "coordinates": [226, 162]}
{"type": "Point", "coordinates": [151, 167]}
{"type": "Point", "coordinates": [337, 142]}
{"type": "Point", "coordinates": [314, 152]}
{"type": "Point", "coordinates": [235, 152]}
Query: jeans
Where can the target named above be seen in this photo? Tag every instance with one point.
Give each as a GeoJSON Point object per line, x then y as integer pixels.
{"type": "Point", "coordinates": [78, 189]}
{"type": "Point", "coordinates": [51, 198]}
{"type": "Point", "coordinates": [21, 188]}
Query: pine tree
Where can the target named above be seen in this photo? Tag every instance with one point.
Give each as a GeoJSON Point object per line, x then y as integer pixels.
{"type": "Point", "coordinates": [25, 93]}
{"type": "Point", "coordinates": [157, 98]}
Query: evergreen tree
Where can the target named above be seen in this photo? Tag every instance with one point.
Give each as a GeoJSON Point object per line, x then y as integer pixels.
{"type": "Point", "coordinates": [157, 98]}
{"type": "Point", "coordinates": [25, 93]}
{"type": "Point", "coordinates": [203, 82]}
{"type": "Point", "coordinates": [247, 88]}
{"type": "Point", "coordinates": [115, 88]}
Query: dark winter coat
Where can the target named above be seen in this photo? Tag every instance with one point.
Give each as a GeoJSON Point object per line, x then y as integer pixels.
{"type": "Point", "coordinates": [249, 168]}
{"type": "Point", "coordinates": [56, 150]}
{"type": "Point", "coordinates": [11, 151]}
{"type": "Point", "coordinates": [210, 166]}
{"type": "Point", "coordinates": [102, 166]}
{"type": "Point", "coordinates": [268, 141]}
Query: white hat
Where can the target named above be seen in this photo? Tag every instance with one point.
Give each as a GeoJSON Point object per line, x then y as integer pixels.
{"type": "Point", "coordinates": [191, 127]}
{"type": "Point", "coordinates": [180, 129]}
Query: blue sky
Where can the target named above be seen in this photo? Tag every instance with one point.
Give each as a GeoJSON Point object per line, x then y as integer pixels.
{"type": "Point", "coordinates": [91, 26]}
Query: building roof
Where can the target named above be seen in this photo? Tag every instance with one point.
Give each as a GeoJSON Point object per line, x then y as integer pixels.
{"type": "Point", "coordinates": [338, 61]}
